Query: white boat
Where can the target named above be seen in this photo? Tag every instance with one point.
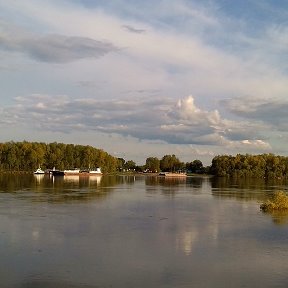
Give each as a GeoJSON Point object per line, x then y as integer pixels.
{"type": "Point", "coordinates": [76, 171]}
{"type": "Point", "coordinates": [97, 171]}
{"type": "Point", "coordinates": [39, 171]}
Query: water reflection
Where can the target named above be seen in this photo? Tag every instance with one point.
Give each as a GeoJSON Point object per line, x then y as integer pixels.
{"type": "Point", "coordinates": [136, 236]}
{"type": "Point", "coordinates": [53, 284]}
{"type": "Point", "coordinates": [12, 183]}
{"type": "Point", "coordinates": [248, 183]}
{"type": "Point", "coordinates": [173, 186]}
{"type": "Point", "coordinates": [185, 241]}
{"type": "Point", "coordinates": [39, 177]}
{"type": "Point", "coordinates": [55, 189]}
{"type": "Point", "coordinates": [278, 217]}
{"type": "Point", "coordinates": [85, 188]}
{"type": "Point", "coordinates": [245, 188]}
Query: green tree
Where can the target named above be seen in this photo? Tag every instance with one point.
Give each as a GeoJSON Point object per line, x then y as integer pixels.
{"type": "Point", "coordinates": [152, 164]}
{"type": "Point", "coordinates": [120, 164]}
{"type": "Point", "coordinates": [27, 156]}
{"type": "Point", "coordinates": [130, 165]}
{"type": "Point", "coordinates": [195, 166]}
{"type": "Point", "coordinates": [170, 163]}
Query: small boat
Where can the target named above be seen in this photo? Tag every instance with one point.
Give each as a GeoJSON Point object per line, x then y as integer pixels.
{"type": "Point", "coordinates": [39, 171]}
{"type": "Point", "coordinates": [57, 173]}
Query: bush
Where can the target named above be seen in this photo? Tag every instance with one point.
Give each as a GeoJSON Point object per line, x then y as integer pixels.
{"type": "Point", "coordinates": [278, 202]}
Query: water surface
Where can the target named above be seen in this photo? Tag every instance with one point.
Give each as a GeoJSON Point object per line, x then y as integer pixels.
{"type": "Point", "coordinates": [139, 231]}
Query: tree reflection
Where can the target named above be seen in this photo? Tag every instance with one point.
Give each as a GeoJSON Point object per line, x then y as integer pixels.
{"type": "Point", "coordinates": [173, 185]}
{"type": "Point", "coordinates": [244, 188]}
{"type": "Point", "coordinates": [11, 183]}
{"type": "Point", "coordinates": [45, 188]}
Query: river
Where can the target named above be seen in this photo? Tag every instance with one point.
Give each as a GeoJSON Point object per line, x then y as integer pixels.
{"type": "Point", "coordinates": [139, 231]}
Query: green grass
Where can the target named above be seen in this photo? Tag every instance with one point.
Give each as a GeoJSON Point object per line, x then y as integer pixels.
{"type": "Point", "coordinates": [279, 202]}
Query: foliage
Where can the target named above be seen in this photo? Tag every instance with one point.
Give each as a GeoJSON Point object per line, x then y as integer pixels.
{"type": "Point", "coordinates": [152, 164]}
{"type": "Point", "coordinates": [27, 156]}
{"type": "Point", "coordinates": [121, 163]}
{"type": "Point", "coordinates": [195, 166]}
{"type": "Point", "coordinates": [278, 202]}
{"type": "Point", "coordinates": [268, 166]}
{"type": "Point", "coordinates": [130, 165]}
{"type": "Point", "coordinates": [170, 163]}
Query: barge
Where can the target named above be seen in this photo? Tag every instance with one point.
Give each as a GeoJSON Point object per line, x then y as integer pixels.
{"type": "Point", "coordinates": [171, 174]}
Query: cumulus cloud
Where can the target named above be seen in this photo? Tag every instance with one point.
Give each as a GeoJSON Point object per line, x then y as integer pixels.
{"type": "Point", "coordinates": [179, 47]}
{"type": "Point", "coordinates": [187, 111]}
{"type": "Point", "coordinates": [53, 47]}
{"type": "Point", "coordinates": [159, 119]}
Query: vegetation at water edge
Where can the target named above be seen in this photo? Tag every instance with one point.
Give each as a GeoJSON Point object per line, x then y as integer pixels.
{"type": "Point", "coordinates": [279, 202]}
{"type": "Point", "coordinates": [27, 156]}
{"type": "Point", "coordinates": [265, 166]}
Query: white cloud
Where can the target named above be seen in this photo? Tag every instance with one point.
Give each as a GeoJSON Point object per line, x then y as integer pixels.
{"type": "Point", "coordinates": [181, 61]}
{"type": "Point", "coordinates": [186, 110]}
{"type": "Point", "coordinates": [272, 111]}
{"type": "Point", "coordinates": [179, 48]}
{"type": "Point", "coordinates": [178, 123]}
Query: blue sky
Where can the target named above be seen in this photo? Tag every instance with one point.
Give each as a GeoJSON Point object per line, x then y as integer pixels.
{"type": "Point", "coordinates": [146, 78]}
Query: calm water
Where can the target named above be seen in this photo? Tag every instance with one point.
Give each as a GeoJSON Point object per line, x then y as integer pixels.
{"type": "Point", "coordinates": [139, 232]}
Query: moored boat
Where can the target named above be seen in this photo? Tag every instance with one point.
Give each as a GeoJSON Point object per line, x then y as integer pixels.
{"type": "Point", "coordinates": [172, 174]}
{"type": "Point", "coordinates": [74, 171]}
{"type": "Point", "coordinates": [91, 172]}
{"type": "Point", "coordinates": [57, 172]}
{"type": "Point", "coordinates": [39, 171]}
{"type": "Point", "coordinates": [97, 171]}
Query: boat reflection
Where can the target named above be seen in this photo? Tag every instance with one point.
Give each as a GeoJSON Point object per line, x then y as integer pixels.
{"type": "Point", "coordinates": [95, 179]}
{"type": "Point", "coordinates": [60, 189]}
{"type": "Point", "coordinates": [71, 178]}
{"type": "Point", "coordinates": [39, 177]}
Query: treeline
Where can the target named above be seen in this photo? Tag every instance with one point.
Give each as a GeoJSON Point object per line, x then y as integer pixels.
{"type": "Point", "coordinates": [168, 163]}
{"type": "Point", "coordinates": [27, 156]}
{"type": "Point", "coordinates": [268, 166]}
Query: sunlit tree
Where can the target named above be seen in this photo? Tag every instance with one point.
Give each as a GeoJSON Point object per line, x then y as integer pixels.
{"type": "Point", "coordinates": [152, 164]}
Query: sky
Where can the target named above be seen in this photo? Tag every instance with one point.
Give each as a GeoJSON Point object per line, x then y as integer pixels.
{"type": "Point", "coordinates": [149, 78]}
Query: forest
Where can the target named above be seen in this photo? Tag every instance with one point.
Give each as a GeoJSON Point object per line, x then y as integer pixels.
{"type": "Point", "coordinates": [27, 156]}
{"type": "Point", "coordinates": [265, 166]}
